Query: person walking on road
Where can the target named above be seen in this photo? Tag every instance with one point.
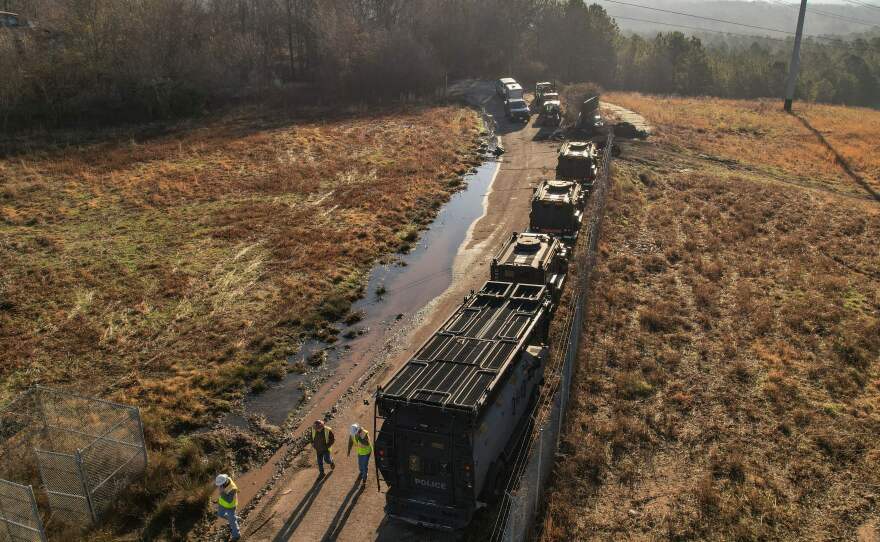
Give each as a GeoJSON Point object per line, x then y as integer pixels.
{"type": "Point", "coordinates": [227, 503]}
{"type": "Point", "coordinates": [360, 441]}
{"type": "Point", "coordinates": [322, 439]}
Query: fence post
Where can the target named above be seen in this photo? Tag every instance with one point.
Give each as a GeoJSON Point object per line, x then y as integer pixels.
{"type": "Point", "coordinates": [82, 477]}
{"type": "Point", "coordinates": [137, 415]}
{"type": "Point", "coordinates": [36, 515]}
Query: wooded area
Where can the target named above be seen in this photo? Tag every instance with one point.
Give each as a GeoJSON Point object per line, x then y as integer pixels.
{"type": "Point", "coordinates": [103, 60]}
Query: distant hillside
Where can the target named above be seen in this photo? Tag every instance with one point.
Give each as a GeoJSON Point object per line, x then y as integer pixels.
{"type": "Point", "coordinates": [780, 15]}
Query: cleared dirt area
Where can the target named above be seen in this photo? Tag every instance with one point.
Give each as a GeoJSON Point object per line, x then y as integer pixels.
{"type": "Point", "coordinates": [729, 385]}
{"type": "Point", "coordinates": [178, 271]}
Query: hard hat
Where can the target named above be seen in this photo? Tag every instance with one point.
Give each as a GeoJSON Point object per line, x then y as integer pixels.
{"type": "Point", "coordinates": [221, 480]}
{"type": "Point", "coordinates": [355, 428]}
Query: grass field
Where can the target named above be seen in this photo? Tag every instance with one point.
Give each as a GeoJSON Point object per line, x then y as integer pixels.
{"type": "Point", "coordinates": [729, 382]}
{"type": "Point", "coordinates": [809, 145]}
{"type": "Point", "coordinates": [177, 271]}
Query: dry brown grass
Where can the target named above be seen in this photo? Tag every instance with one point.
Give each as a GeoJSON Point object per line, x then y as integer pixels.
{"type": "Point", "coordinates": [175, 272]}
{"type": "Point", "coordinates": [759, 133]}
{"type": "Point", "coordinates": [729, 385]}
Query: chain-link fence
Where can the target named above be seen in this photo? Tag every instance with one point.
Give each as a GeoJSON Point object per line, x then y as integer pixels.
{"type": "Point", "coordinates": [84, 451]}
{"type": "Point", "coordinates": [522, 502]}
{"type": "Point", "coordinates": [19, 517]}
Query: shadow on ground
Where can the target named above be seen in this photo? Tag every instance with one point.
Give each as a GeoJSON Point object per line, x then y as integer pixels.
{"type": "Point", "coordinates": [841, 161]}
{"type": "Point", "coordinates": [344, 512]}
{"type": "Point", "coordinates": [299, 513]}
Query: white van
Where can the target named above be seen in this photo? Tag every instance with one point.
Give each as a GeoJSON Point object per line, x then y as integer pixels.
{"type": "Point", "coordinates": [513, 92]}
{"type": "Point", "coordinates": [501, 86]}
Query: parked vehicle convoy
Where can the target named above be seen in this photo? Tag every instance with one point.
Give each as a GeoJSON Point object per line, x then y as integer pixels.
{"type": "Point", "coordinates": [533, 258]}
{"type": "Point", "coordinates": [451, 412]}
{"type": "Point", "coordinates": [557, 208]}
{"type": "Point", "coordinates": [517, 109]}
{"type": "Point", "coordinates": [501, 86]}
{"type": "Point", "coordinates": [578, 161]}
{"type": "Point", "coordinates": [453, 415]}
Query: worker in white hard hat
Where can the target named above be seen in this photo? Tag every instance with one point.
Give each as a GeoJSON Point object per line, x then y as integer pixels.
{"type": "Point", "coordinates": [360, 441]}
{"type": "Point", "coordinates": [227, 503]}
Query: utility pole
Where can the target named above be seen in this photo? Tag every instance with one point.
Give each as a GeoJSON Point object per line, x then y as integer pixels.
{"type": "Point", "coordinates": [795, 58]}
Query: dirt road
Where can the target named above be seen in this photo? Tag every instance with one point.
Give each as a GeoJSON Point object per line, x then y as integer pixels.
{"type": "Point", "coordinates": [300, 507]}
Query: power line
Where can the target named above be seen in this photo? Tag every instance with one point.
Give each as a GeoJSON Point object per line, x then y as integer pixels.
{"type": "Point", "coordinates": [827, 14]}
{"type": "Point", "coordinates": [701, 29]}
{"type": "Point", "coordinates": [713, 19]}
{"type": "Point", "coordinates": [613, 16]}
{"type": "Point", "coordinates": [863, 4]}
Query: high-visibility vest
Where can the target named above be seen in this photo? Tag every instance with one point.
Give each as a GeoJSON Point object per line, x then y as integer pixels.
{"type": "Point", "coordinates": [226, 493]}
{"type": "Point", "coordinates": [326, 437]}
{"type": "Point", "coordinates": [363, 447]}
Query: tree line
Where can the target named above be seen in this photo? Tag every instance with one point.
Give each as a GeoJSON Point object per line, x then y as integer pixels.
{"type": "Point", "coordinates": [97, 60]}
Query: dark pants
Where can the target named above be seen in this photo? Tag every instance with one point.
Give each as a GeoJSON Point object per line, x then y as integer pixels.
{"type": "Point", "coordinates": [363, 463]}
{"type": "Point", "coordinates": [324, 457]}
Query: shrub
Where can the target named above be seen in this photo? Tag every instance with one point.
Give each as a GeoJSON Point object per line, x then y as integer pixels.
{"type": "Point", "coordinates": [631, 385]}
{"type": "Point", "coordinates": [659, 319]}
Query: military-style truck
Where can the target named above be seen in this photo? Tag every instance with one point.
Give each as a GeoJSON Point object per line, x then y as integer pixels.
{"type": "Point", "coordinates": [532, 258]}
{"type": "Point", "coordinates": [578, 161]}
{"type": "Point", "coordinates": [452, 415]}
{"type": "Point", "coordinates": [517, 109]}
{"type": "Point", "coordinates": [589, 120]}
{"type": "Point", "coordinates": [549, 114]}
{"type": "Point", "coordinates": [557, 208]}
{"type": "Point", "coordinates": [542, 88]}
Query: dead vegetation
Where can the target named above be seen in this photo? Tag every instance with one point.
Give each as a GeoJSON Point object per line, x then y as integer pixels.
{"type": "Point", "coordinates": [729, 383]}
{"type": "Point", "coordinates": [759, 133]}
{"type": "Point", "coordinates": [176, 272]}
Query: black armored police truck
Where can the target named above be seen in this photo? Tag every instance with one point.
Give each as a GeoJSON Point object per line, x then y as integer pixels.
{"type": "Point", "coordinates": [557, 208]}
{"type": "Point", "coordinates": [578, 161]}
{"type": "Point", "coordinates": [451, 414]}
{"type": "Point", "coordinates": [532, 258]}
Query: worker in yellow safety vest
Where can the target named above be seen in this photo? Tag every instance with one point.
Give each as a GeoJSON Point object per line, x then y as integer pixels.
{"type": "Point", "coordinates": [322, 439]}
{"type": "Point", "coordinates": [360, 441]}
{"type": "Point", "coordinates": [227, 502]}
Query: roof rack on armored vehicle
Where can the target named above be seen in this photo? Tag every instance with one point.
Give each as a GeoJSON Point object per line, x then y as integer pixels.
{"type": "Point", "coordinates": [577, 160]}
{"type": "Point", "coordinates": [462, 362]}
{"type": "Point", "coordinates": [559, 192]}
{"type": "Point", "coordinates": [578, 149]}
{"type": "Point", "coordinates": [527, 250]}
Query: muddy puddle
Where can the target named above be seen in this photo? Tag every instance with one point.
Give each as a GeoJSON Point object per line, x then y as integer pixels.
{"type": "Point", "coordinates": [395, 291]}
